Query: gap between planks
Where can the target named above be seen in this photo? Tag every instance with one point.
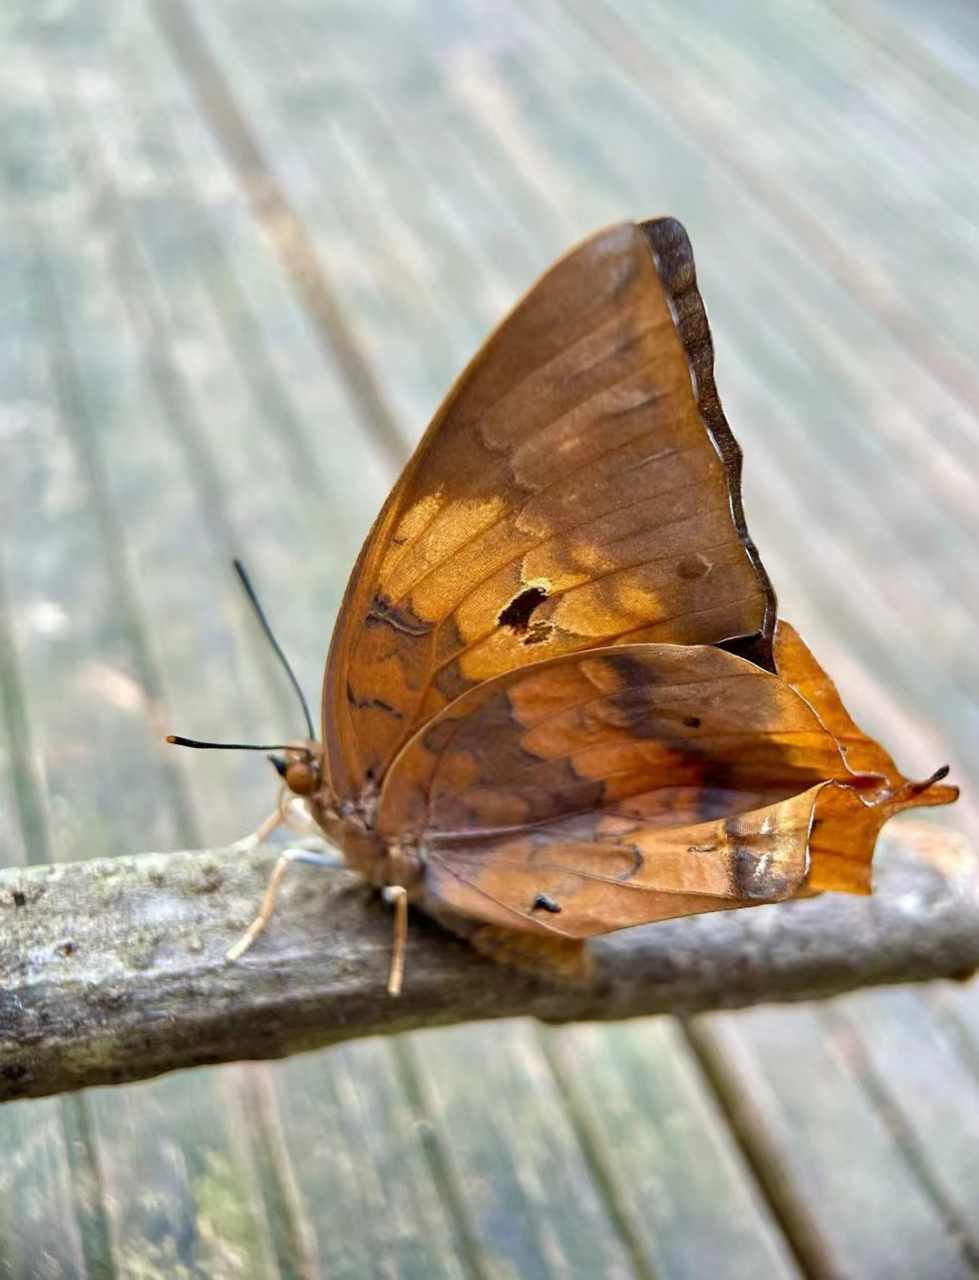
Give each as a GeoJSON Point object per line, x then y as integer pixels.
{"type": "Point", "coordinates": [284, 228]}
{"type": "Point", "coordinates": [676, 93]}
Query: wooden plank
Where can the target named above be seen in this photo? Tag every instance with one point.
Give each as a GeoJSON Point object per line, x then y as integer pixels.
{"type": "Point", "coordinates": [260, 510]}
{"type": "Point", "coordinates": [280, 222]}
{"type": "Point", "coordinates": [939, 43]}
{"type": "Point", "coordinates": [48, 1224]}
{"type": "Point", "coordinates": [179, 1183]}
{"type": "Point", "coordinates": [513, 1157]}
{"type": "Point", "coordinates": [94, 366]}
{"type": "Point", "coordinates": [897, 1042]}
{"type": "Point", "coordinates": [172, 497]}
{"type": "Point", "coordinates": [356, 247]}
{"type": "Point", "coordinates": [673, 1167]}
{"type": "Point", "coordinates": [39, 1229]}
{"type": "Point", "coordinates": [23, 822]}
{"type": "Point", "coordinates": [828, 1160]}
{"type": "Point", "coordinates": [813, 76]}
{"type": "Point", "coordinates": [361, 1167]}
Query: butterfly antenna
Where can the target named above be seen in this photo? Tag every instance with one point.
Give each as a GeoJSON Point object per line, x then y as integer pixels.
{"type": "Point", "coordinates": [264, 622]}
{"type": "Point", "coordinates": [177, 741]}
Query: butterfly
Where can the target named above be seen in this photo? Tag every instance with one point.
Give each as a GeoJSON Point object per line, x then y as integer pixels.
{"type": "Point", "coordinates": [559, 700]}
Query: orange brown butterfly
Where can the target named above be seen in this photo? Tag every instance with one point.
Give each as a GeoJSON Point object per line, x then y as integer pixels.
{"type": "Point", "coordinates": [558, 700]}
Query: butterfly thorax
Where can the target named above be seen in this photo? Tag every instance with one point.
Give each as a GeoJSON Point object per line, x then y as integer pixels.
{"type": "Point", "coordinates": [351, 829]}
{"type": "Point", "coordinates": [349, 826]}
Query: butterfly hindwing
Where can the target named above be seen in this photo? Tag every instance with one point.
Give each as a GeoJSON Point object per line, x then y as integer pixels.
{"type": "Point", "coordinates": [612, 875]}
{"type": "Point", "coordinates": [846, 825]}
{"type": "Point", "coordinates": [613, 787]}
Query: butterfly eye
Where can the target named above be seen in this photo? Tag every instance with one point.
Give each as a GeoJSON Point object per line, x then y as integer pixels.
{"type": "Point", "coordinates": [299, 770]}
{"type": "Point", "coordinates": [301, 777]}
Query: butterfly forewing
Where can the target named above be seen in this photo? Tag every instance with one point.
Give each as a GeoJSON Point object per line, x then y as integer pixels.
{"type": "Point", "coordinates": [579, 488]}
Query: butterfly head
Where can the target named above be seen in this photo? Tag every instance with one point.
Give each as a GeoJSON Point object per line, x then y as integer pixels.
{"type": "Point", "coordinates": [300, 766]}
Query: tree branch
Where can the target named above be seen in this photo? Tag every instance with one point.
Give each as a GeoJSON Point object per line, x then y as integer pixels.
{"type": "Point", "coordinates": [114, 970]}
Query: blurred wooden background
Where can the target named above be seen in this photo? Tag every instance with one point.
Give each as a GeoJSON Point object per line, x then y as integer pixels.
{"type": "Point", "coordinates": [244, 249]}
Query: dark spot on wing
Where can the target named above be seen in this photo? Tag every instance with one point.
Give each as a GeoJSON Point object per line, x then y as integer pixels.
{"type": "Point", "coordinates": [372, 704]}
{"type": "Point", "coordinates": [634, 673]}
{"type": "Point", "coordinates": [692, 722]}
{"type": "Point", "coordinates": [756, 874]}
{"type": "Point", "coordinates": [543, 903]}
{"type": "Point", "coordinates": [637, 861]}
{"type": "Point", "coordinates": [632, 701]}
{"type": "Point", "coordinates": [694, 566]}
{"type": "Point", "coordinates": [518, 611]}
{"type": "Point", "coordinates": [748, 881]}
{"type": "Point", "coordinates": [451, 683]}
{"type": "Point", "coordinates": [539, 633]}
{"type": "Point", "coordinates": [383, 613]}
{"type": "Point", "coordinates": [19, 898]}
{"type": "Point", "coordinates": [439, 735]}
{"type": "Point", "coordinates": [715, 775]}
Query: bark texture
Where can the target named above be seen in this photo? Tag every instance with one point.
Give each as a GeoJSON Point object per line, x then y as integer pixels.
{"type": "Point", "coordinates": [114, 970]}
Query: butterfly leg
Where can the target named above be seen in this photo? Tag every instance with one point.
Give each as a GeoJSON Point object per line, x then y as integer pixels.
{"type": "Point", "coordinates": [284, 815]}
{"type": "Point", "coordinates": [272, 892]}
{"type": "Point", "coordinates": [398, 896]}
{"type": "Point", "coordinates": [261, 832]}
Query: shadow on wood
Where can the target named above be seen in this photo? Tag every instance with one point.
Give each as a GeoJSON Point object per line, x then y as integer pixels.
{"type": "Point", "coordinates": [114, 970]}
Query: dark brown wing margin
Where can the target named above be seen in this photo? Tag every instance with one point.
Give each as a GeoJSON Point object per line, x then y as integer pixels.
{"type": "Point", "coordinates": [674, 261]}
